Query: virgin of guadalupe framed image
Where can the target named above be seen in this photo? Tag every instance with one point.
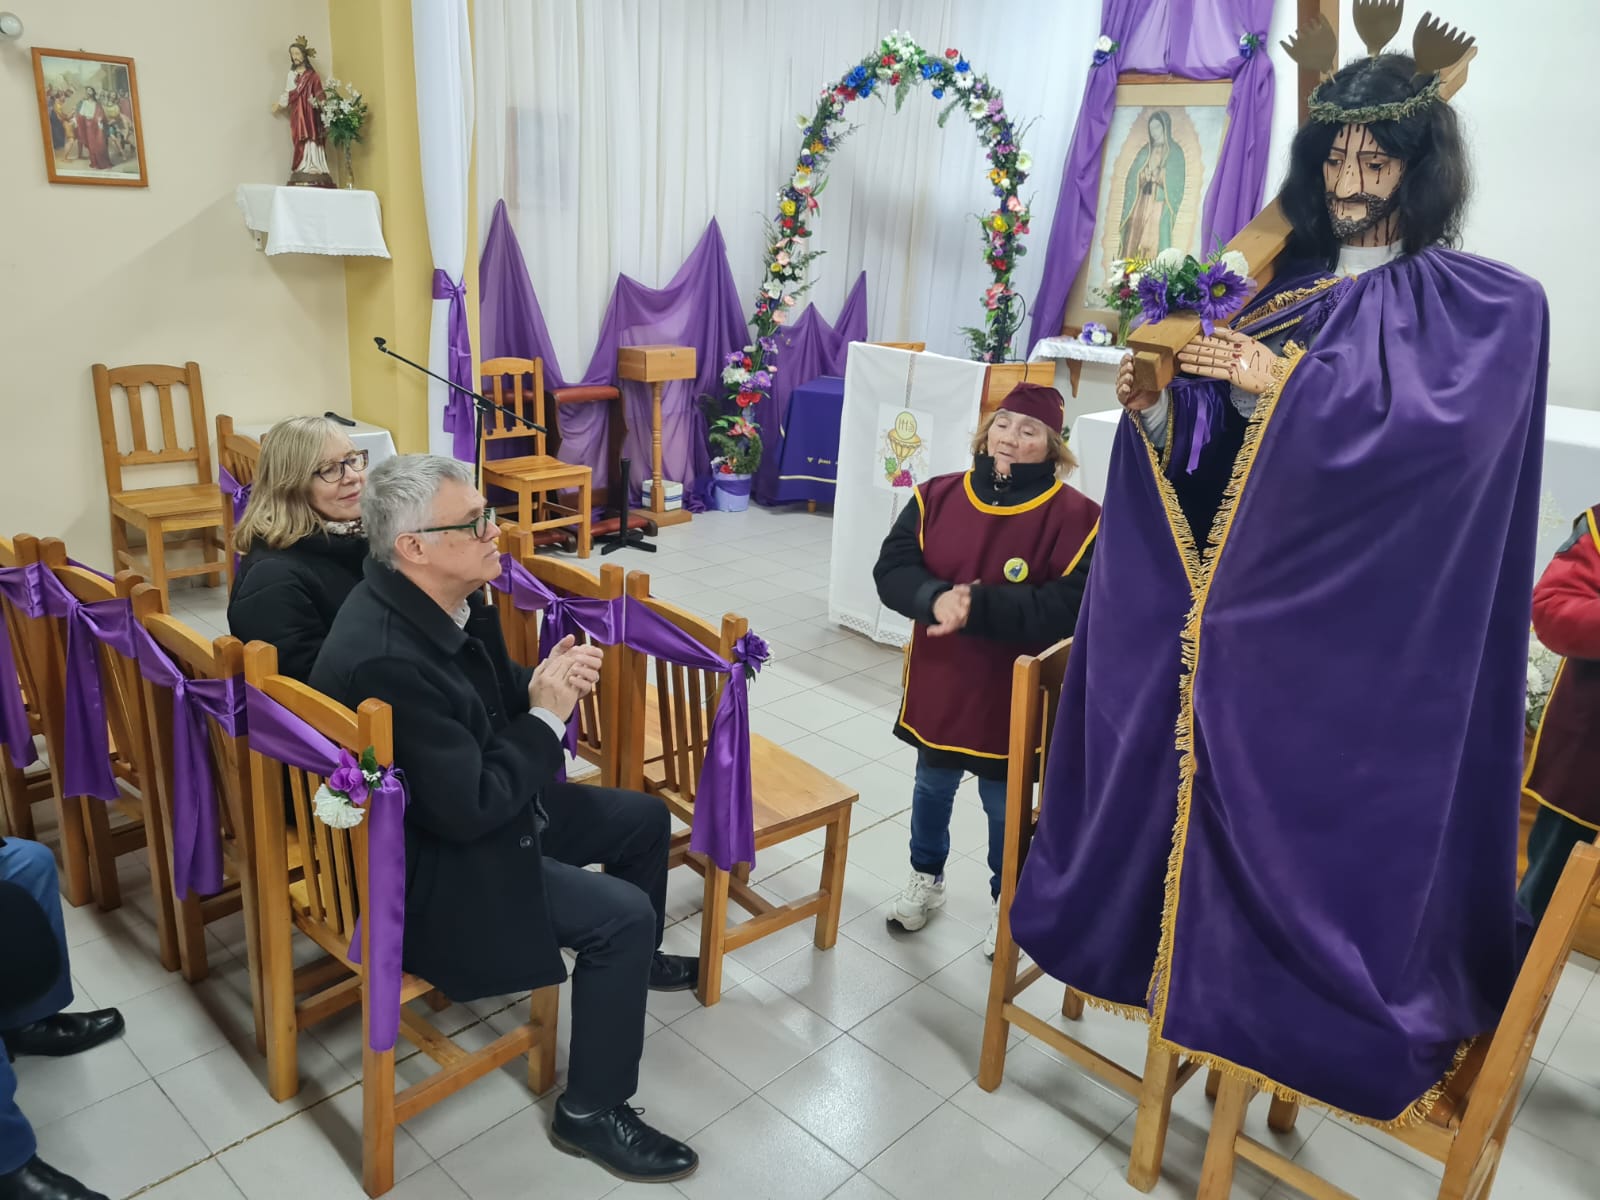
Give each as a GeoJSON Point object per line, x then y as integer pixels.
{"type": "Point", "coordinates": [89, 116]}
{"type": "Point", "coordinates": [1161, 153]}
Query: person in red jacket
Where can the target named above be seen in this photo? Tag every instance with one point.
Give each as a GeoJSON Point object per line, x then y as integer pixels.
{"type": "Point", "coordinates": [1563, 771]}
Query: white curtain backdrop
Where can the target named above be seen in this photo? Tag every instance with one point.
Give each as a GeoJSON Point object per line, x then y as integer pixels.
{"type": "Point", "coordinates": [443, 56]}
{"type": "Point", "coordinates": [614, 131]}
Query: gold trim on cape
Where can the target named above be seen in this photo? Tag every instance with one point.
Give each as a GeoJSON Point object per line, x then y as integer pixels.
{"type": "Point", "coordinates": [1282, 301]}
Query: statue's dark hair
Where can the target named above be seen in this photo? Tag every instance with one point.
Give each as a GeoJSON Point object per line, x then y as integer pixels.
{"type": "Point", "coordinates": [1434, 187]}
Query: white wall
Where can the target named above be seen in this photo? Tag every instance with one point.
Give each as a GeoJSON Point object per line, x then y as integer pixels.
{"type": "Point", "coordinates": [160, 274]}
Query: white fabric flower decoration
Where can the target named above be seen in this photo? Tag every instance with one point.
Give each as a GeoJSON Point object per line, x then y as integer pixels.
{"type": "Point", "coordinates": [736, 375]}
{"type": "Point", "coordinates": [1170, 259]}
{"type": "Point", "coordinates": [1105, 45]}
{"type": "Point", "coordinates": [978, 108]}
{"type": "Point", "coordinates": [1236, 263]}
{"type": "Point", "coordinates": [1024, 161]}
{"type": "Point", "coordinates": [336, 812]}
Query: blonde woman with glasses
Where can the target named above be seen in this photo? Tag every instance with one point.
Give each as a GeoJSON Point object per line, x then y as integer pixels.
{"type": "Point", "coordinates": [301, 540]}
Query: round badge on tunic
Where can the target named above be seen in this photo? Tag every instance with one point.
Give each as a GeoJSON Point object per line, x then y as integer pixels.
{"type": "Point", "coordinates": [1016, 570]}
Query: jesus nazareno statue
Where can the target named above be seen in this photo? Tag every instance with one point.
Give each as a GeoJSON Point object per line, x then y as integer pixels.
{"type": "Point", "coordinates": [1280, 819]}
{"type": "Point", "coordinates": [302, 92]}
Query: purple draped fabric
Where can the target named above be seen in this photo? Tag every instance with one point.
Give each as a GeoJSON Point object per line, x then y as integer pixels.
{"type": "Point", "coordinates": [238, 494]}
{"type": "Point", "coordinates": [19, 588]}
{"type": "Point", "coordinates": [808, 348]}
{"type": "Point", "coordinates": [278, 734]}
{"type": "Point", "coordinates": [699, 307]}
{"type": "Point", "coordinates": [724, 811]}
{"type": "Point", "coordinates": [1197, 39]}
{"type": "Point", "coordinates": [458, 416]}
{"type": "Point", "coordinates": [86, 751]}
{"type": "Point", "coordinates": [1314, 881]}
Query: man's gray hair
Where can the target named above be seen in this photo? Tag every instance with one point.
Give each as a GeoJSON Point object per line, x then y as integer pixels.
{"type": "Point", "coordinates": [399, 497]}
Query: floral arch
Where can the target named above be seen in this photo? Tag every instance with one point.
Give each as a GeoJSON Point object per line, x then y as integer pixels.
{"type": "Point", "coordinates": [898, 65]}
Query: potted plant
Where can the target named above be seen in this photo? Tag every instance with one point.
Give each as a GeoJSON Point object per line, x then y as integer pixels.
{"type": "Point", "coordinates": [736, 455]}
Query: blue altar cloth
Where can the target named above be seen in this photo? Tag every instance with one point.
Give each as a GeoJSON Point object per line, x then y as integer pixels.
{"type": "Point", "coordinates": [807, 466]}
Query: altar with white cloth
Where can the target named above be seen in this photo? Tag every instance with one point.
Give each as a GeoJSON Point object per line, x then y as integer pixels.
{"type": "Point", "coordinates": [907, 417]}
{"type": "Point", "coordinates": [1571, 467]}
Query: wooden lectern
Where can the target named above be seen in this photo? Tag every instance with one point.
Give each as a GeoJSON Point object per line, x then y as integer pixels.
{"type": "Point", "coordinates": [657, 365]}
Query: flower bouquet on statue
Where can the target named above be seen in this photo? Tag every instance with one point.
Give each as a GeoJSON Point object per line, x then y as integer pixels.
{"type": "Point", "coordinates": [1215, 287]}
{"type": "Point", "coordinates": [340, 803]}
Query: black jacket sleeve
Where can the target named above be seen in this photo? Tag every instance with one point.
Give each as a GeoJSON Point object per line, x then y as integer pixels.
{"type": "Point", "coordinates": [273, 604]}
{"type": "Point", "coordinates": [904, 582]}
{"type": "Point", "coordinates": [459, 791]}
{"type": "Point", "coordinates": [1046, 612]}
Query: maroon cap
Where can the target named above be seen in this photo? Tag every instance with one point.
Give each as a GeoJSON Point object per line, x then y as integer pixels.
{"type": "Point", "coordinates": [1035, 400]}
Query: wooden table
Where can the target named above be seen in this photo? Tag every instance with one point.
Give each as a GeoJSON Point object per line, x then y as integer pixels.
{"type": "Point", "coordinates": [657, 365]}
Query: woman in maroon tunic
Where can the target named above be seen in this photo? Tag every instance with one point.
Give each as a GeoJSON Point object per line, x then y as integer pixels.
{"type": "Point", "coordinates": [990, 563]}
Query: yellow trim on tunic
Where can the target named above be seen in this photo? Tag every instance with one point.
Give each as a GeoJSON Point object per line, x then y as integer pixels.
{"type": "Point", "coordinates": [1082, 550]}
{"type": "Point", "coordinates": [1014, 510]}
{"type": "Point", "coordinates": [1594, 529]}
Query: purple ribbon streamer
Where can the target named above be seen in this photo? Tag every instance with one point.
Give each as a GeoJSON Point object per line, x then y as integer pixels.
{"type": "Point", "coordinates": [19, 588]}
{"type": "Point", "coordinates": [724, 811]}
{"type": "Point", "coordinates": [457, 410]}
{"type": "Point", "coordinates": [238, 494]}
{"type": "Point", "coordinates": [278, 734]}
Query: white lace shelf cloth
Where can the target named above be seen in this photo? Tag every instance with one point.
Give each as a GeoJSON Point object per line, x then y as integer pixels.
{"type": "Point", "coordinates": [1061, 347]}
{"type": "Point", "coordinates": [301, 220]}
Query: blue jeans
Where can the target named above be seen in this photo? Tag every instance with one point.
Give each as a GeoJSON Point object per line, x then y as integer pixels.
{"type": "Point", "coordinates": [1550, 844]}
{"type": "Point", "coordinates": [933, 795]}
{"type": "Point", "coordinates": [30, 866]}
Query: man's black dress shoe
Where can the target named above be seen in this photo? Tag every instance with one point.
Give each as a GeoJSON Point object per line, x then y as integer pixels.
{"type": "Point", "coordinates": [673, 972]}
{"type": "Point", "coordinates": [63, 1034]}
{"type": "Point", "coordinates": [619, 1141]}
{"type": "Point", "coordinates": [36, 1180]}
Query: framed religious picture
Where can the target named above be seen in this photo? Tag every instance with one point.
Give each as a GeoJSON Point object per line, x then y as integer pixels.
{"type": "Point", "coordinates": [1160, 155]}
{"type": "Point", "coordinates": [89, 115]}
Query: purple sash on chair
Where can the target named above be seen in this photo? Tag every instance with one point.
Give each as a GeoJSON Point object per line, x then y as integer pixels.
{"type": "Point", "coordinates": [278, 734]}
{"type": "Point", "coordinates": [19, 587]}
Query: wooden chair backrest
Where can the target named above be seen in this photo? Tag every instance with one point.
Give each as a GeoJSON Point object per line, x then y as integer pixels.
{"type": "Point", "coordinates": [517, 383]}
{"type": "Point", "coordinates": [685, 701]}
{"type": "Point", "coordinates": [1499, 1080]}
{"type": "Point", "coordinates": [197, 658]}
{"type": "Point", "coordinates": [333, 861]}
{"type": "Point", "coordinates": [120, 685]}
{"type": "Point", "coordinates": [132, 381]}
{"type": "Point", "coordinates": [236, 452]}
{"type": "Point", "coordinates": [31, 645]}
{"type": "Point", "coordinates": [1035, 697]}
{"type": "Point", "coordinates": [599, 713]}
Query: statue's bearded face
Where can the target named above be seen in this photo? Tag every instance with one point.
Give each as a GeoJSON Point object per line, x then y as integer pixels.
{"type": "Point", "coordinates": [297, 57]}
{"type": "Point", "coordinates": [1362, 181]}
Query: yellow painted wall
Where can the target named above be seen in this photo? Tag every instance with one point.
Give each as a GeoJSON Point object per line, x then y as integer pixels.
{"type": "Point", "coordinates": [393, 299]}
{"type": "Point", "coordinates": [159, 274]}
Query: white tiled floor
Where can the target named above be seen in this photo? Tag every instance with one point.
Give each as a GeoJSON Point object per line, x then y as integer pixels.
{"type": "Point", "coordinates": [848, 1074]}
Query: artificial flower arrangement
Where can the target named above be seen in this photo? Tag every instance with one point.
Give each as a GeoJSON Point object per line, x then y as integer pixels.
{"type": "Point", "coordinates": [1096, 334]}
{"type": "Point", "coordinates": [1120, 293]}
{"type": "Point", "coordinates": [340, 803]}
{"type": "Point", "coordinates": [1543, 663]}
{"type": "Point", "coordinates": [344, 115]}
{"type": "Point", "coordinates": [1215, 287]}
{"type": "Point", "coordinates": [897, 65]}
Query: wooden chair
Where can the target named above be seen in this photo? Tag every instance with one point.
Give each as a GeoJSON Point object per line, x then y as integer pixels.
{"type": "Point", "coordinates": [322, 900]}
{"type": "Point", "coordinates": [21, 788]}
{"type": "Point", "coordinates": [126, 824]}
{"type": "Point", "coordinates": [197, 658]}
{"type": "Point", "coordinates": [1466, 1130]}
{"type": "Point", "coordinates": [194, 509]}
{"type": "Point", "coordinates": [1035, 696]}
{"type": "Point", "coordinates": [238, 455]}
{"type": "Point", "coordinates": [667, 728]}
{"type": "Point", "coordinates": [535, 476]}
{"type": "Point", "coordinates": [599, 737]}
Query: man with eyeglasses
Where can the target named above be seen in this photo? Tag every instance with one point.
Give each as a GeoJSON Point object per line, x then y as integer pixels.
{"type": "Point", "coordinates": [496, 847]}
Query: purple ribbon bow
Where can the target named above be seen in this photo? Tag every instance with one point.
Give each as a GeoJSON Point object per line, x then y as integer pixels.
{"type": "Point", "coordinates": [457, 409]}
{"type": "Point", "coordinates": [278, 734]}
{"type": "Point", "coordinates": [19, 588]}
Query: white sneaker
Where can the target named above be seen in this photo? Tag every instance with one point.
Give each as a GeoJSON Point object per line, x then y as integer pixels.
{"type": "Point", "coordinates": [922, 894]}
{"type": "Point", "coordinates": [994, 930]}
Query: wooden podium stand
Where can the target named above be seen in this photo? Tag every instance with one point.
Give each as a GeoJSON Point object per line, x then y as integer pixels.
{"type": "Point", "coordinates": [656, 365]}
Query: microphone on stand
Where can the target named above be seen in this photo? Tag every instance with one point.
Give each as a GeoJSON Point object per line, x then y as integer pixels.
{"type": "Point", "coordinates": [480, 405]}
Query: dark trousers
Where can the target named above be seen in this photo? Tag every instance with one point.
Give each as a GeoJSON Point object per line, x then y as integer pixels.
{"type": "Point", "coordinates": [1550, 844]}
{"type": "Point", "coordinates": [31, 867]}
{"type": "Point", "coordinates": [612, 921]}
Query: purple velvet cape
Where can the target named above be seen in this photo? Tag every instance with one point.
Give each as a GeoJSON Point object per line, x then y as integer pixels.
{"type": "Point", "coordinates": [1312, 884]}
